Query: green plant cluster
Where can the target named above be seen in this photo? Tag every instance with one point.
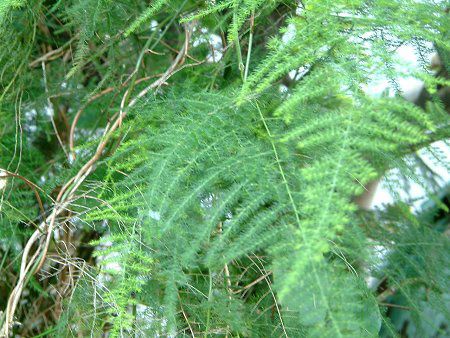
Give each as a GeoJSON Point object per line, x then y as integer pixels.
{"type": "Point", "coordinates": [224, 203]}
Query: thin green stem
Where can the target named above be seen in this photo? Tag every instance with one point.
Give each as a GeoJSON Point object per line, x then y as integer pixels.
{"type": "Point", "coordinates": [280, 168]}
{"type": "Point", "coordinates": [250, 41]}
{"type": "Point", "coordinates": [208, 314]}
{"type": "Point", "coordinates": [297, 219]}
{"type": "Point", "coordinates": [237, 44]}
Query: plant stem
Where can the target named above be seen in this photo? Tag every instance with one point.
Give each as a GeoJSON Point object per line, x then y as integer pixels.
{"type": "Point", "coordinates": [208, 314]}
{"type": "Point", "coordinates": [237, 44]}
{"type": "Point", "coordinates": [250, 41]}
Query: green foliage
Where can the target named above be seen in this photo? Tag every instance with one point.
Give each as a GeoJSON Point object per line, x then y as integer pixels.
{"type": "Point", "coordinates": [411, 274]}
{"type": "Point", "coordinates": [204, 208]}
{"type": "Point", "coordinates": [7, 5]}
{"type": "Point", "coordinates": [241, 11]}
{"type": "Point", "coordinates": [146, 15]}
{"type": "Point", "coordinates": [222, 205]}
{"type": "Point", "coordinates": [352, 38]}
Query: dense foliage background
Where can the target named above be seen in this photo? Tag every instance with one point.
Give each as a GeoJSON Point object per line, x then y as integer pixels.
{"type": "Point", "coordinates": [192, 168]}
